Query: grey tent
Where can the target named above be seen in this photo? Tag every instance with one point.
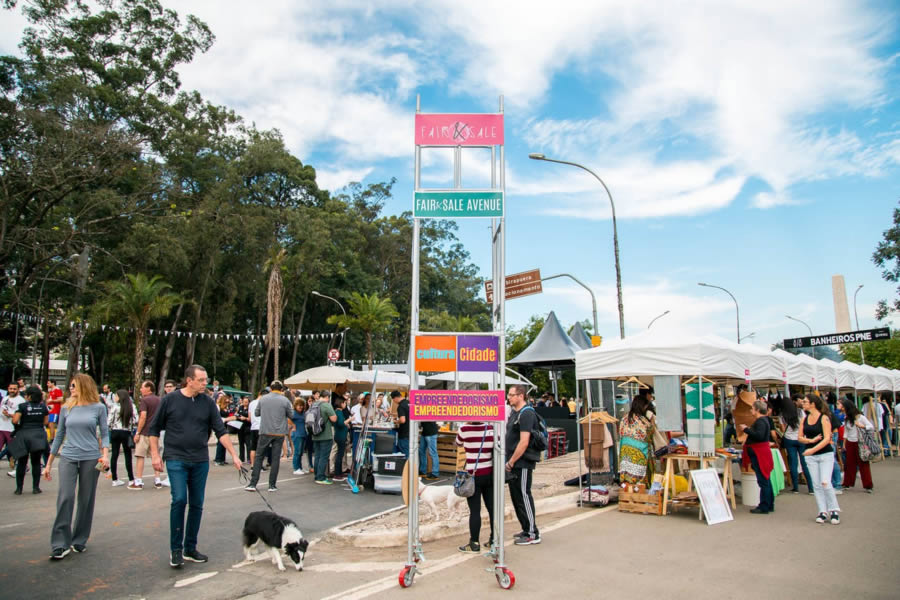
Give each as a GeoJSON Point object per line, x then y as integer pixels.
{"type": "Point", "coordinates": [579, 336]}
{"type": "Point", "coordinates": [551, 349]}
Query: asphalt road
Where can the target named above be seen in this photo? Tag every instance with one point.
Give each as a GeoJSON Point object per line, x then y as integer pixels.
{"type": "Point", "coordinates": [128, 553]}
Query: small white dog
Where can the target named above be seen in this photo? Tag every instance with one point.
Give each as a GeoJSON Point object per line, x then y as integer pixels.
{"type": "Point", "coordinates": [435, 495]}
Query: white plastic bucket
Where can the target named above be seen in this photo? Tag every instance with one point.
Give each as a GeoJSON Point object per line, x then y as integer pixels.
{"type": "Point", "coordinates": [749, 489]}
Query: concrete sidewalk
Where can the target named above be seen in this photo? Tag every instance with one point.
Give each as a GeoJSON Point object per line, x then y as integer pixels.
{"type": "Point", "coordinates": [592, 553]}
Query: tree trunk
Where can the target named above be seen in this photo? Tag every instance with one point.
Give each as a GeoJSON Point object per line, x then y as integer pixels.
{"type": "Point", "coordinates": [192, 340]}
{"type": "Point", "coordinates": [254, 354]}
{"type": "Point", "coordinates": [297, 336]}
{"type": "Point", "coordinates": [102, 369]}
{"type": "Point", "coordinates": [170, 347]}
{"type": "Point", "coordinates": [265, 367]}
{"type": "Point", "coordinates": [137, 370]}
{"type": "Point", "coordinates": [275, 359]}
{"type": "Point", "coordinates": [45, 356]}
{"type": "Point", "coordinates": [76, 335]}
{"type": "Point", "coordinates": [369, 348]}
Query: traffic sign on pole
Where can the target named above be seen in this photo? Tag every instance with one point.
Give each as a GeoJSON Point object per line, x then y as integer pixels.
{"type": "Point", "coordinates": [334, 354]}
{"type": "Point", "coordinates": [517, 285]}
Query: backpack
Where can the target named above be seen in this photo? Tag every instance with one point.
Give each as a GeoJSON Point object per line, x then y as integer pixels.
{"type": "Point", "coordinates": [538, 441]}
{"type": "Point", "coordinates": [314, 420]}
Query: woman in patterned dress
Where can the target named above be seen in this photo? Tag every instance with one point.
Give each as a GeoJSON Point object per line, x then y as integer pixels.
{"type": "Point", "coordinates": [635, 435]}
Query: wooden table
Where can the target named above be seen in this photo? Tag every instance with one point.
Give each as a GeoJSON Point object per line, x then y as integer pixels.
{"type": "Point", "coordinates": [704, 462]}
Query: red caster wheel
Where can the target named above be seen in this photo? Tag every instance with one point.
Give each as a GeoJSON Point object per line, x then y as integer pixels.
{"type": "Point", "coordinates": [406, 577]}
{"type": "Point", "coordinates": [505, 578]}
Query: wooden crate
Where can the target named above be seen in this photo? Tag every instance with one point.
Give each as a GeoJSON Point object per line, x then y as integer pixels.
{"type": "Point", "coordinates": [446, 447]}
{"type": "Point", "coordinates": [644, 504]}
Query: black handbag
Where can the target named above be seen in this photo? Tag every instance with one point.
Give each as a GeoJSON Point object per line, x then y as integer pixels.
{"type": "Point", "coordinates": [464, 486]}
{"type": "Point", "coordinates": [17, 448]}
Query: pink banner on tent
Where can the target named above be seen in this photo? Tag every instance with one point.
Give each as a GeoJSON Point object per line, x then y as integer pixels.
{"type": "Point", "coordinates": [459, 129]}
{"type": "Point", "coordinates": [457, 405]}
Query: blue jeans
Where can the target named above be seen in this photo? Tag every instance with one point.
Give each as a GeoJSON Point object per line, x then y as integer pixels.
{"type": "Point", "coordinates": [403, 446]}
{"type": "Point", "coordinates": [795, 454]}
{"type": "Point", "coordinates": [819, 466]}
{"type": "Point", "coordinates": [766, 494]}
{"type": "Point", "coordinates": [188, 480]}
{"type": "Point", "coordinates": [220, 453]}
{"type": "Point", "coordinates": [428, 446]}
{"type": "Point", "coordinates": [836, 476]}
{"type": "Point", "coordinates": [323, 450]}
{"type": "Point", "coordinates": [299, 442]}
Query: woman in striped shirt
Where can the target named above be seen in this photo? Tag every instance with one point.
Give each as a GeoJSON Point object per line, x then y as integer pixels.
{"type": "Point", "coordinates": [478, 441]}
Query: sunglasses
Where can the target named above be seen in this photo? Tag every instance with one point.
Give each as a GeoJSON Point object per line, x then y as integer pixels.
{"type": "Point", "coordinates": [72, 386]}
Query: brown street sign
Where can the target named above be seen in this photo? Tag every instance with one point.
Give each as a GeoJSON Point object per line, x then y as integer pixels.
{"type": "Point", "coordinates": [517, 285]}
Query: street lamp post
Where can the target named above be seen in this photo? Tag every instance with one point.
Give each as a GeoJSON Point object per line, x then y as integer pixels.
{"type": "Point", "coordinates": [536, 156]}
{"type": "Point", "coordinates": [856, 316]}
{"type": "Point", "coordinates": [658, 317]}
{"type": "Point", "coordinates": [749, 335]}
{"type": "Point", "coordinates": [590, 291]}
{"type": "Point", "coordinates": [737, 309]}
{"type": "Point", "coordinates": [343, 334]}
{"type": "Point", "coordinates": [808, 327]}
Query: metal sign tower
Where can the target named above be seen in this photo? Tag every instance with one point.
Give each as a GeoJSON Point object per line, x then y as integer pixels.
{"type": "Point", "coordinates": [459, 132]}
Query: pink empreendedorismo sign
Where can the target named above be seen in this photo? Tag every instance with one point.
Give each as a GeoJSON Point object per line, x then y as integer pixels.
{"type": "Point", "coordinates": [457, 405]}
{"type": "Point", "coordinates": [459, 129]}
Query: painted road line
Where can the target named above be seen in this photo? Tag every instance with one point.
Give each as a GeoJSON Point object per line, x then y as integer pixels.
{"type": "Point", "coordinates": [195, 579]}
{"type": "Point", "coordinates": [369, 589]}
{"type": "Point", "coordinates": [240, 487]}
{"type": "Point", "coordinates": [355, 567]}
{"type": "Point", "coordinates": [10, 525]}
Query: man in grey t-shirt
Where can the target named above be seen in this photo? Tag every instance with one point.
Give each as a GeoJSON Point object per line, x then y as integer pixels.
{"type": "Point", "coordinates": [274, 411]}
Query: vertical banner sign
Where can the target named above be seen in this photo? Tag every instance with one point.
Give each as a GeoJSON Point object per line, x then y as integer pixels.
{"type": "Point", "coordinates": [696, 431]}
{"type": "Point", "coordinates": [457, 405]}
{"type": "Point", "coordinates": [459, 129]}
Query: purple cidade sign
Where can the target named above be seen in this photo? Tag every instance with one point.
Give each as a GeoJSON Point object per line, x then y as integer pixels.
{"type": "Point", "coordinates": [477, 353]}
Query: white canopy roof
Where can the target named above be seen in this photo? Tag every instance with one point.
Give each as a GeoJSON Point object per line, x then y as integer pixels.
{"type": "Point", "coordinates": [483, 378]}
{"type": "Point", "coordinates": [669, 352]}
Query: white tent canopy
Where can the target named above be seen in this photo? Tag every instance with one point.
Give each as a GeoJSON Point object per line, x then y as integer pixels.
{"type": "Point", "coordinates": [667, 352]}
{"type": "Point", "coordinates": [482, 378]}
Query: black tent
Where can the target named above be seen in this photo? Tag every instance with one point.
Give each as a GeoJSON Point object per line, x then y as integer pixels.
{"type": "Point", "coordinates": [552, 349]}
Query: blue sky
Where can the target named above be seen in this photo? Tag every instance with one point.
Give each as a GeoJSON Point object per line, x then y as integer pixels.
{"type": "Point", "coordinates": [755, 146]}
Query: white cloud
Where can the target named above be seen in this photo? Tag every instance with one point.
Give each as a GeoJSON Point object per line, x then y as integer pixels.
{"type": "Point", "coordinates": [335, 180]}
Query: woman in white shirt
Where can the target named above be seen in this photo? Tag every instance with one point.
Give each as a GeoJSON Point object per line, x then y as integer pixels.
{"type": "Point", "coordinates": [854, 420]}
{"type": "Point", "coordinates": [122, 419]}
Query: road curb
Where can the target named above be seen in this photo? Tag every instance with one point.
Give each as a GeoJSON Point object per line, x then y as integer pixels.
{"type": "Point", "coordinates": [428, 532]}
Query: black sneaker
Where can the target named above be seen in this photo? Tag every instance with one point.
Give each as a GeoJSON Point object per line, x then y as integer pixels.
{"type": "Point", "coordinates": [59, 553]}
{"type": "Point", "coordinates": [176, 560]}
{"type": "Point", "coordinates": [821, 518]}
{"type": "Point", "coordinates": [18, 492]}
{"type": "Point", "coordinates": [194, 556]}
{"type": "Point", "coordinates": [528, 540]}
{"type": "Point", "coordinates": [471, 548]}
{"type": "Point", "coordinates": [79, 548]}
{"type": "Point", "coordinates": [272, 488]}
{"type": "Point", "coordinates": [36, 491]}
{"type": "Point", "coordinates": [521, 534]}
{"type": "Point", "coordinates": [835, 518]}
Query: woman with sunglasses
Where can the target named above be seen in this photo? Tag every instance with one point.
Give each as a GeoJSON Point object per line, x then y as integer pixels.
{"type": "Point", "coordinates": [81, 460]}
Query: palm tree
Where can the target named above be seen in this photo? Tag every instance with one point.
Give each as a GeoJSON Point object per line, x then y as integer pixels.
{"type": "Point", "coordinates": [137, 301]}
{"type": "Point", "coordinates": [369, 314]}
{"type": "Point", "coordinates": [274, 308]}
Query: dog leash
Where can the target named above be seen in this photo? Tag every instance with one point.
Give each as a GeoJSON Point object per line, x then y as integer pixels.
{"type": "Point", "coordinates": [244, 479]}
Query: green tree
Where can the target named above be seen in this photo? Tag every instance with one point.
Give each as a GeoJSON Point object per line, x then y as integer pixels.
{"type": "Point", "coordinates": [368, 313]}
{"type": "Point", "coordinates": [887, 258]}
{"type": "Point", "coordinates": [137, 301]}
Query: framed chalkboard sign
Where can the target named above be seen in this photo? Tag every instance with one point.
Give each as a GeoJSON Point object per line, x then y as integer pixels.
{"type": "Point", "coordinates": [712, 496]}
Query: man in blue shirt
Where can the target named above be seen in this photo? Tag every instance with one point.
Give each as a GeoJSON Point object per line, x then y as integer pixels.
{"type": "Point", "coordinates": [187, 416]}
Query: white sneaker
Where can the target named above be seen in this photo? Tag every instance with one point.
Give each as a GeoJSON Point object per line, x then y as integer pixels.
{"type": "Point", "coordinates": [838, 492]}
{"type": "Point", "coordinates": [299, 472]}
{"type": "Point", "coordinates": [117, 483]}
{"type": "Point", "coordinates": [11, 473]}
{"type": "Point", "coordinates": [163, 482]}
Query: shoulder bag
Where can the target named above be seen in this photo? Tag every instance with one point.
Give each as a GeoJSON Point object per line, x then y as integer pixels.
{"type": "Point", "coordinates": [464, 485]}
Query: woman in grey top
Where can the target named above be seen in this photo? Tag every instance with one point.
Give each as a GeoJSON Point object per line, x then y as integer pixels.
{"type": "Point", "coordinates": [80, 463]}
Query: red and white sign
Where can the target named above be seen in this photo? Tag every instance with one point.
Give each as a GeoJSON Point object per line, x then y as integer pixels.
{"type": "Point", "coordinates": [334, 354]}
{"type": "Point", "coordinates": [459, 129]}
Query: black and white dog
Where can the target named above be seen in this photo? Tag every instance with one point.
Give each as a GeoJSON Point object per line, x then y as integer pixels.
{"type": "Point", "coordinates": [277, 534]}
